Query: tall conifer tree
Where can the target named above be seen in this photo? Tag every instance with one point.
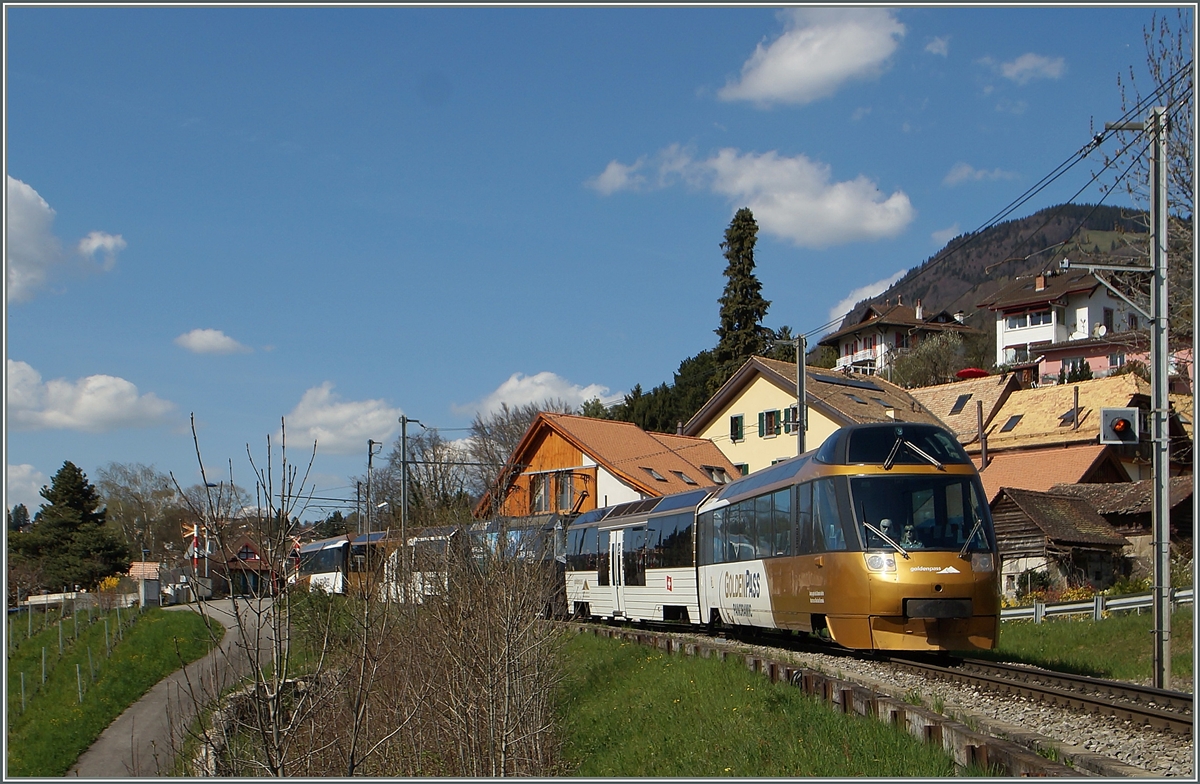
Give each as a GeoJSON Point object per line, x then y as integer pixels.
{"type": "Point", "coordinates": [741, 334]}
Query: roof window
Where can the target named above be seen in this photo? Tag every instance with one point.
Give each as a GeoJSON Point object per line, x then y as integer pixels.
{"type": "Point", "coordinates": [1011, 423]}
{"type": "Point", "coordinates": [961, 403]}
{"type": "Point", "coordinates": [684, 477]}
{"type": "Point", "coordinates": [1067, 418]}
{"type": "Point", "coordinates": [659, 477]}
{"type": "Point", "coordinates": [855, 398]}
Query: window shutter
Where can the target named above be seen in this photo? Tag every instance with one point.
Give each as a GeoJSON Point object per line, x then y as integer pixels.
{"type": "Point", "coordinates": [762, 423]}
{"type": "Point", "coordinates": [776, 420]}
{"type": "Point", "coordinates": [787, 420]}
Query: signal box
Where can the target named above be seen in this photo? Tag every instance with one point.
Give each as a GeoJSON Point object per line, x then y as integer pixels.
{"type": "Point", "coordinates": [1119, 425]}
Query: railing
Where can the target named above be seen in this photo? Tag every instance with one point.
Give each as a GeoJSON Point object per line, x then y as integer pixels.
{"type": "Point", "coordinates": [1096, 606]}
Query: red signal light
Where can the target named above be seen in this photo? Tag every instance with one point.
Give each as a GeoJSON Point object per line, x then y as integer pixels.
{"type": "Point", "coordinates": [1121, 426]}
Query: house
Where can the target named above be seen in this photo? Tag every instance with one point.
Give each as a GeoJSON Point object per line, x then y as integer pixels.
{"type": "Point", "coordinates": [1046, 416]}
{"type": "Point", "coordinates": [1043, 468]}
{"type": "Point", "coordinates": [752, 416]}
{"type": "Point", "coordinates": [884, 332]}
{"type": "Point", "coordinates": [1058, 320]}
{"type": "Point", "coordinates": [1127, 508]}
{"type": "Point", "coordinates": [246, 571]}
{"type": "Point", "coordinates": [1060, 536]}
{"type": "Point", "coordinates": [570, 464]}
{"type": "Point", "coordinates": [957, 404]}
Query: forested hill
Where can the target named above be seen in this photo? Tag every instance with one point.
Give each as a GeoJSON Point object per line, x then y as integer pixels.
{"type": "Point", "coordinates": [962, 274]}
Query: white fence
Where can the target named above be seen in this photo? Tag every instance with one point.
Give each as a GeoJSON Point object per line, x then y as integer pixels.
{"type": "Point", "coordinates": [1095, 607]}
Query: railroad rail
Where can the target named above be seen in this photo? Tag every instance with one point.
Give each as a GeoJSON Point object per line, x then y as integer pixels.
{"type": "Point", "coordinates": [1163, 709]}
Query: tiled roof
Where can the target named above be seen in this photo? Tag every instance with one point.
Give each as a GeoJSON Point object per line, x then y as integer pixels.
{"type": "Point", "coordinates": [1126, 498]}
{"type": "Point", "coordinates": [627, 450]}
{"type": "Point", "coordinates": [1041, 411]}
{"type": "Point", "coordinates": [943, 399]}
{"type": "Point", "coordinates": [143, 570]}
{"type": "Point", "coordinates": [897, 316]}
{"type": "Point", "coordinates": [1021, 292]}
{"type": "Point", "coordinates": [1065, 519]}
{"type": "Point", "coordinates": [851, 398]}
{"type": "Point", "coordinates": [1041, 469]}
{"type": "Point", "coordinates": [1183, 407]}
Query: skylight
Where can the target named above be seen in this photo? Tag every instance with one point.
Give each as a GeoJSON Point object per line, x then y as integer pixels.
{"type": "Point", "coordinates": [654, 474]}
{"type": "Point", "coordinates": [960, 403]}
{"type": "Point", "coordinates": [855, 398]}
{"type": "Point", "coordinates": [1067, 418]}
{"type": "Point", "coordinates": [1011, 423]}
{"type": "Point", "coordinates": [687, 479]}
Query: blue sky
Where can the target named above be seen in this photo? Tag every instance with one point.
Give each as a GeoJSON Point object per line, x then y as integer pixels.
{"type": "Point", "coordinates": [339, 216]}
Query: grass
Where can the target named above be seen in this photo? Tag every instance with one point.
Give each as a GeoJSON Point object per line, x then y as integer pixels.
{"type": "Point", "coordinates": [55, 728]}
{"type": "Point", "coordinates": [1120, 647]}
{"type": "Point", "coordinates": [633, 711]}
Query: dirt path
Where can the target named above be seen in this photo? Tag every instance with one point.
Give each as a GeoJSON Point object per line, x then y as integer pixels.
{"type": "Point", "coordinates": [143, 740]}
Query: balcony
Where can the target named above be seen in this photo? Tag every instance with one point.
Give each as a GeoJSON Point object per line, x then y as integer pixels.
{"type": "Point", "coordinates": [860, 360]}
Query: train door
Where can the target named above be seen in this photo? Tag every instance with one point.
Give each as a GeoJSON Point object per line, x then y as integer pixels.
{"type": "Point", "coordinates": [616, 561]}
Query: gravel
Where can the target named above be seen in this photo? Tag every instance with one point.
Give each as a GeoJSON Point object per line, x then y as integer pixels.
{"type": "Point", "coordinates": [1158, 752]}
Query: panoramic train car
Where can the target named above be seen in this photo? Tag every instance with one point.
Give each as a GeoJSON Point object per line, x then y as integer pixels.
{"type": "Point", "coordinates": [635, 561]}
{"type": "Point", "coordinates": [342, 563]}
{"type": "Point", "coordinates": [879, 539]}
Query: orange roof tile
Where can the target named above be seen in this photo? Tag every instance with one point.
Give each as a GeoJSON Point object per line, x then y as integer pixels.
{"type": "Point", "coordinates": [1041, 469]}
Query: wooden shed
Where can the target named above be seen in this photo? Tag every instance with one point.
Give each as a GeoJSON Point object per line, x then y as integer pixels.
{"type": "Point", "coordinates": [1058, 536]}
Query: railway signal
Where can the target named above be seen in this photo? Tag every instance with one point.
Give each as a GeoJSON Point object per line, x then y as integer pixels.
{"type": "Point", "coordinates": [1119, 426]}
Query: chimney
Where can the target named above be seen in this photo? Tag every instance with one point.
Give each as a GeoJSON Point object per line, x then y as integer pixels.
{"type": "Point", "coordinates": [679, 428]}
{"type": "Point", "coordinates": [983, 461]}
{"type": "Point", "coordinates": [899, 299]}
{"type": "Point", "coordinates": [960, 317]}
{"type": "Point", "coordinates": [920, 311]}
{"type": "Point", "coordinates": [1039, 283]}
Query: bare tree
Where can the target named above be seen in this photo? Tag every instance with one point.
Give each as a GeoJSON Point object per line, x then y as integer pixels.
{"type": "Point", "coordinates": [495, 436]}
{"type": "Point", "coordinates": [143, 504]}
{"type": "Point", "coordinates": [1169, 61]}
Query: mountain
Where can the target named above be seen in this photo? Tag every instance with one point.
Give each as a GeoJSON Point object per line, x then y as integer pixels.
{"type": "Point", "coordinates": [973, 266]}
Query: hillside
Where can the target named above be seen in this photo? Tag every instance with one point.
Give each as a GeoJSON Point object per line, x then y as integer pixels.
{"type": "Point", "coordinates": [972, 266]}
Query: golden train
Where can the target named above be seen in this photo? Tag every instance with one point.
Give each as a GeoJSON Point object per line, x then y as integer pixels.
{"type": "Point", "coordinates": [880, 539]}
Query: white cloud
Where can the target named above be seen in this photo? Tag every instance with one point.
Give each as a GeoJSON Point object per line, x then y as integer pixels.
{"type": "Point", "coordinates": [618, 177]}
{"type": "Point", "coordinates": [945, 235]}
{"type": "Point", "coordinates": [863, 292]}
{"type": "Point", "coordinates": [32, 249]}
{"type": "Point", "coordinates": [521, 389]}
{"type": "Point", "coordinates": [793, 198]}
{"type": "Point", "coordinates": [939, 46]}
{"type": "Point", "coordinates": [22, 485]}
{"type": "Point", "coordinates": [94, 404]}
{"type": "Point", "coordinates": [102, 241]}
{"type": "Point", "coordinates": [820, 50]}
{"type": "Point", "coordinates": [34, 254]}
{"type": "Point", "coordinates": [964, 172]}
{"type": "Point", "coordinates": [340, 427]}
{"type": "Point", "coordinates": [1031, 66]}
{"type": "Point", "coordinates": [210, 341]}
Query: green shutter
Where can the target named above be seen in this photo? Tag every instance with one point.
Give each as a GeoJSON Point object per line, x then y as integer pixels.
{"type": "Point", "coordinates": [762, 423]}
{"type": "Point", "coordinates": [787, 420]}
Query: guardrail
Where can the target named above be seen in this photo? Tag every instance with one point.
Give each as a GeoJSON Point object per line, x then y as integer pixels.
{"type": "Point", "coordinates": [1096, 606]}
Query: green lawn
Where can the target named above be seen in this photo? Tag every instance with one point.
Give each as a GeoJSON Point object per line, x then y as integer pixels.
{"type": "Point", "coordinates": [1120, 647]}
{"type": "Point", "coordinates": [54, 728]}
{"type": "Point", "coordinates": [633, 711]}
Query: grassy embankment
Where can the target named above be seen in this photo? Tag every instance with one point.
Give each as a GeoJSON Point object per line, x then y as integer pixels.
{"type": "Point", "coordinates": [629, 710]}
{"type": "Point", "coordinates": [1120, 647]}
{"type": "Point", "coordinates": [54, 728]}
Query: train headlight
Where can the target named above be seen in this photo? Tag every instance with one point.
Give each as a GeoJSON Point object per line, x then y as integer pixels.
{"type": "Point", "coordinates": [880, 562]}
{"type": "Point", "coordinates": [982, 562]}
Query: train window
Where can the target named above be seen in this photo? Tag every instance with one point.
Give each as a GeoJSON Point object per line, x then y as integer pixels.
{"type": "Point", "coordinates": [922, 512]}
{"type": "Point", "coordinates": [782, 513]}
{"type": "Point", "coordinates": [804, 526]}
{"type": "Point", "coordinates": [764, 527]}
{"type": "Point", "coordinates": [717, 536]}
{"type": "Point", "coordinates": [676, 544]}
{"type": "Point", "coordinates": [602, 560]}
{"type": "Point", "coordinates": [633, 556]}
{"type": "Point", "coordinates": [739, 531]}
{"type": "Point", "coordinates": [876, 445]}
{"type": "Point", "coordinates": [826, 520]}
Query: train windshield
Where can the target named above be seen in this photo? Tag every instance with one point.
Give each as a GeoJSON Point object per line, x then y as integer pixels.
{"type": "Point", "coordinates": [922, 513]}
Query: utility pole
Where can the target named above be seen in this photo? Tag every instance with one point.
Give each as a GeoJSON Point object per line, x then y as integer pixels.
{"type": "Point", "coordinates": [371, 444]}
{"type": "Point", "coordinates": [404, 420]}
{"type": "Point", "coordinates": [1160, 448]}
{"type": "Point", "coordinates": [801, 423]}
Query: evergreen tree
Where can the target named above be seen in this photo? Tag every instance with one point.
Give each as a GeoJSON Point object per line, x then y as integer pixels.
{"type": "Point", "coordinates": [334, 525]}
{"type": "Point", "coordinates": [18, 518]}
{"type": "Point", "coordinates": [741, 334]}
{"type": "Point", "coordinates": [595, 409]}
{"type": "Point", "coordinates": [68, 542]}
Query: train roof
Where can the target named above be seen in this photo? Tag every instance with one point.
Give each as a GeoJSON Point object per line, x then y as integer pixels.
{"type": "Point", "coordinates": [646, 506]}
{"type": "Point", "coordinates": [901, 443]}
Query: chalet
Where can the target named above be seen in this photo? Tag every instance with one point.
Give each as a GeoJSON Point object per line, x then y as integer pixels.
{"type": "Point", "coordinates": [884, 332]}
{"type": "Point", "coordinates": [1058, 320]}
{"type": "Point", "coordinates": [1060, 536]}
{"type": "Point", "coordinates": [957, 404]}
{"type": "Point", "coordinates": [1046, 417]}
{"type": "Point", "coordinates": [1127, 508]}
{"type": "Point", "coordinates": [752, 417]}
{"type": "Point", "coordinates": [569, 464]}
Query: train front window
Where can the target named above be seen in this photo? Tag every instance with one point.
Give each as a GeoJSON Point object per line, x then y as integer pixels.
{"type": "Point", "coordinates": [921, 513]}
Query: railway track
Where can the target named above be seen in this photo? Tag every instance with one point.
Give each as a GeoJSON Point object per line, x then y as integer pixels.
{"type": "Point", "coordinates": [1168, 710]}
